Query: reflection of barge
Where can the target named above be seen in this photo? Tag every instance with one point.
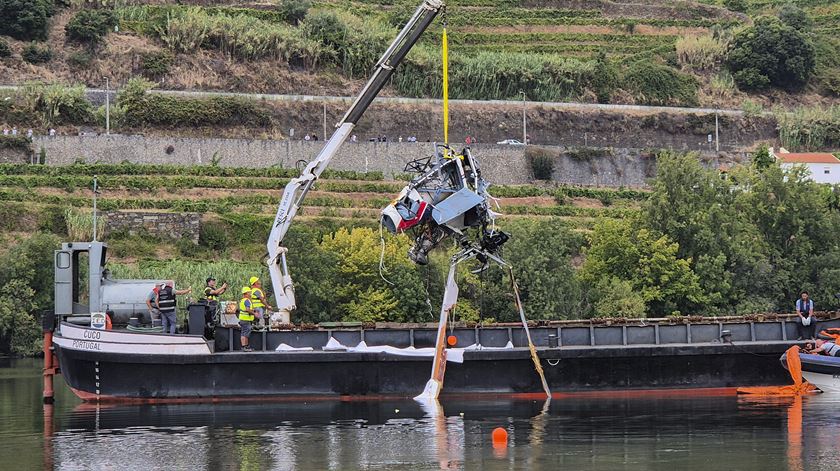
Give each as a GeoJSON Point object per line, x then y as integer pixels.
{"type": "Point", "coordinates": [118, 365]}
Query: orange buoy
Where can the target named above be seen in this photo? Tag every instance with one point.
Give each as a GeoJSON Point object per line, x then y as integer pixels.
{"type": "Point", "coordinates": [452, 340]}
{"type": "Point", "coordinates": [500, 436]}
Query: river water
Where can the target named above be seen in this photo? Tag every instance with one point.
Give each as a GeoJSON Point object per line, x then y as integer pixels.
{"type": "Point", "coordinates": [627, 433]}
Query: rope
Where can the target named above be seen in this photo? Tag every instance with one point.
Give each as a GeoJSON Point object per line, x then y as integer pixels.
{"type": "Point", "coordinates": [382, 255]}
{"type": "Point", "coordinates": [445, 42]}
{"type": "Point", "coordinates": [531, 348]}
{"type": "Point", "coordinates": [429, 298]}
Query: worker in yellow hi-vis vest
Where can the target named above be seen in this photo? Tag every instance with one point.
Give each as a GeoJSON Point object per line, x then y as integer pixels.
{"type": "Point", "coordinates": [258, 301]}
{"type": "Point", "coordinates": [246, 319]}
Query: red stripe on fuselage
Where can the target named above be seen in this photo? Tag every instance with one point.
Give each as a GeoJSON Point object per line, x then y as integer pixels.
{"type": "Point", "coordinates": [409, 223]}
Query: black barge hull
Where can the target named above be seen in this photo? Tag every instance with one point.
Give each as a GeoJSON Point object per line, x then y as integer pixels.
{"type": "Point", "coordinates": [235, 376]}
{"type": "Point", "coordinates": [123, 367]}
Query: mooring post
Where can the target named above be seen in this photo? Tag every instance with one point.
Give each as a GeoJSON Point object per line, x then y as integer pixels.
{"type": "Point", "coordinates": [50, 366]}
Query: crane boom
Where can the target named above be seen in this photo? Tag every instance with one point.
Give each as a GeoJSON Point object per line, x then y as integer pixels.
{"type": "Point", "coordinates": [296, 189]}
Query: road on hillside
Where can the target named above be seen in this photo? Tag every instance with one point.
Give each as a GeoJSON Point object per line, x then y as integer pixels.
{"type": "Point", "coordinates": [97, 96]}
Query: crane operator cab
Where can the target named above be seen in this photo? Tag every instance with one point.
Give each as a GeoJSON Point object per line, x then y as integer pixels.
{"type": "Point", "coordinates": [447, 197]}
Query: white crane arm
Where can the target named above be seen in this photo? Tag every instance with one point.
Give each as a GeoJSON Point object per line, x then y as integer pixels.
{"type": "Point", "coordinates": [296, 190]}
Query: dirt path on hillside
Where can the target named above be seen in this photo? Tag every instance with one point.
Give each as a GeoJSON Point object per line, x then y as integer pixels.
{"type": "Point", "coordinates": [639, 30]}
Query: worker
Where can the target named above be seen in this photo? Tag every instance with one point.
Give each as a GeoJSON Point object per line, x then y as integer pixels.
{"type": "Point", "coordinates": [806, 322]}
{"type": "Point", "coordinates": [166, 305]}
{"type": "Point", "coordinates": [211, 293]}
{"type": "Point", "coordinates": [246, 318]}
{"type": "Point", "coordinates": [258, 301]}
{"type": "Point", "coordinates": [151, 303]}
{"type": "Point", "coordinates": [826, 348]}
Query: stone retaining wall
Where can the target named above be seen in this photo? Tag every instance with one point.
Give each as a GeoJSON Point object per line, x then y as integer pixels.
{"type": "Point", "coordinates": [158, 224]}
{"type": "Point", "coordinates": [500, 164]}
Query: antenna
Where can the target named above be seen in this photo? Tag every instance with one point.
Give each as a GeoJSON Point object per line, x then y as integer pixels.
{"type": "Point", "coordinates": [95, 192]}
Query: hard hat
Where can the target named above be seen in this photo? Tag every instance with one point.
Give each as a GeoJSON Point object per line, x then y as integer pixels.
{"type": "Point", "coordinates": [246, 290]}
{"type": "Point", "coordinates": [253, 280]}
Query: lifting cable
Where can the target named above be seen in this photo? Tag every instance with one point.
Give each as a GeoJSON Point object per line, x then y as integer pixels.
{"type": "Point", "coordinates": [445, 42]}
{"type": "Point", "coordinates": [531, 347]}
{"type": "Point", "coordinates": [382, 255]}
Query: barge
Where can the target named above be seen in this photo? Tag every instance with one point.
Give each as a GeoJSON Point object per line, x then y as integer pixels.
{"type": "Point", "coordinates": [340, 362]}
{"type": "Point", "coordinates": [120, 366]}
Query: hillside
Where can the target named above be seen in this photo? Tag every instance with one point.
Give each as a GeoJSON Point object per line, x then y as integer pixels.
{"type": "Point", "coordinates": [644, 52]}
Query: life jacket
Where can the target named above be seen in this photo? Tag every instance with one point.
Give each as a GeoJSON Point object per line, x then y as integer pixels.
{"type": "Point", "coordinates": [256, 294]}
{"type": "Point", "coordinates": [244, 315]}
{"type": "Point", "coordinates": [208, 294]}
{"type": "Point", "coordinates": [166, 299]}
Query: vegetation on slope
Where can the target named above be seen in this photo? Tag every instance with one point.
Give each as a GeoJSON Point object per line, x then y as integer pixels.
{"type": "Point", "coordinates": [499, 49]}
{"type": "Point", "coordinates": [697, 245]}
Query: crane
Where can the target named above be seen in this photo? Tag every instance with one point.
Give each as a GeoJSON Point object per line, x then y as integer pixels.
{"type": "Point", "coordinates": [297, 189]}
{"type": "Point", "coordinates": [449, 186]}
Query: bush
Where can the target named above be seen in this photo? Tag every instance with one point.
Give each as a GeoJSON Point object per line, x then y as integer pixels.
{"type": "Point", "coordinates": [156, 64]}
{"type": "Point", "coordinates": [294, 11]}
{"type": "Point", "coordinates": [187, 248]}
{"type": "Point", "coordinates": [618, 299]}
{"type": "Point", "coordinates": [25, 19]}
{"type": "Point", "coordinates": [36, 54]}
{"type": "Point", "coordinates": [240, 36]}
{"type": "Point", "coordinates": [770, 53]}
{"type": "Point", "coordinates": [140, 108]}
{"type": "Point", "coordinates": [57, 103]}
{"type": "Point", "coordinates": [700, 52]}
{"type": "Point", "coordinates": [327, 28]}
{"type": "Point", "coordinates": [659, 85]}
{"type": "Point", "coordinates": [604, 78]}
{"type": "Point", "coordinates": [751, 108]}
{"type": "Point", "coordinates": [796, 18]}
{"type": "Point", "coordinates": [90, 26]}
{"type": "Point", "coordinates": [736, 5]}
{"type": "Point", "coordinates": [542, 163]}
{"type": "Point", "coordinates": [722, 85]}
{"type": "Point", "coordinates": [15, 142]}
{"type": "Point", "coordinates": [80, 59]}
{"type": "Point", "coordinates": [214, 236]}
{"type": "Point", "coordinates": [810, 128]}
{"type": "Point", "coordinates": [5, 49]}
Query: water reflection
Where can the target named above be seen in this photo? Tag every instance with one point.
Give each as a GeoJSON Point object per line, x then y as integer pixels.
{"type": "Point", "coordinates": [615, 433]}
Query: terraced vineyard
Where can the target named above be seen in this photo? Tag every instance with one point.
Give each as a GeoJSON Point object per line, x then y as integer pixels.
{"type": "Point", "coordinates": [230, 193]}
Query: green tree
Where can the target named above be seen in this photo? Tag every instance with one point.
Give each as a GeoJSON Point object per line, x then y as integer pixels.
{"type": "Point", "coordinates": [540, 253]}
{"type": "Point", "coordinates": [604, 78]}
{"type": "Point", "coordinates": [694, 207]}
{"type": "Point", "coordinates": [25, 19]}
{"type": "Point", "coordinates": [621, 249]}
{"type": "Point", "coordinates": [796, 18]}
{"type": "Point", "coordinates": [617, 298]}
{"type": "Point", "coordinates": [90, 26]}
{"type": "Point", "coordinates": [359, 285]}
{"type": "Point", "coordinates": [770, 53]}
{"type": "Point", "coordinates": [794, 218]}
{"type": "Point", "coordinates": [26, 278]}
{"type": "Point", "coordinates": [762, 159]}
{"type": "Point", "coordinates": [294, 11]}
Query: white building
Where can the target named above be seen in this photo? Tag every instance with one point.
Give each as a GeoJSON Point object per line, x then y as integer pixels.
{"type": "Point", "coordinates": [824, 167]}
